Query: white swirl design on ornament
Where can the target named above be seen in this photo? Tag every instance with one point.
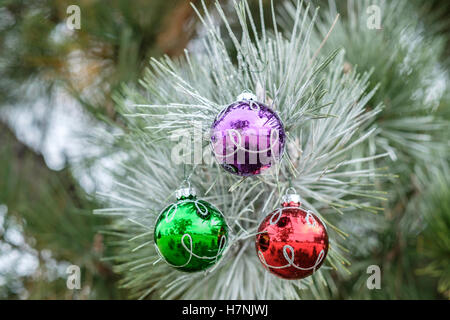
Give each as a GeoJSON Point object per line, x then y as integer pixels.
{"type": "Point", "coordinates": [274, 134]}
{"type": "Point", "coordinates": [205, 210]}
{"type": "Point", "coordinates": [253, 105]}
{"type": "Point", "coordinates": [222, 245]}
{"type": "Point", "coordinates": [221, 113]}
{"type": "Point", "coordinates": [278, 215]}
{"type": "Point", "coordinates": [169, 217]}
{"type": "Point", "coordinates": [318, 217]}
{"type": "Point", "coordinates": [270, 148]}
{"type": "Point", "coordinates": [290, 259]}
{"type": "Point", "coordinates": [309, 217]}
{"type": "Point", "coordinates": [172, 209]}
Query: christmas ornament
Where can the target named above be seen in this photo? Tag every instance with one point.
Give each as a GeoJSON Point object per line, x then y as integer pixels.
{"type": "Point", "coordinates": [190, 234]}
{"type": "Point", "coordinates": [247, 137]}
{"type": "Point", "coordinates": [292, 243]}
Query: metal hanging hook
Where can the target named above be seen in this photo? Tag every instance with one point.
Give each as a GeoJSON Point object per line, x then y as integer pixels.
{"type": "Point", "coordinates": [291, 195]}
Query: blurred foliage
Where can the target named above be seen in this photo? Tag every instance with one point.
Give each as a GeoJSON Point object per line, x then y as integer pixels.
{"type": "Point", "coordinates": [113, 46]}
{"type": "Point", "coordinates": [437, 16]}
{"type": "Point", "coordinates": [434, 242]}
{"type": "Point", "coordinates": [56, 218]}
{"type": "Point", "coordinates": [409, 65]}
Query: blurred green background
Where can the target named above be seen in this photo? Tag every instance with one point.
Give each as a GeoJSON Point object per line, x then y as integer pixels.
{"type": "Point", "coordinates": [57, 85]}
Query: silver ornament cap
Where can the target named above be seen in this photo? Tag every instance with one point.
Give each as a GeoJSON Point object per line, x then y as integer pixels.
{"type": "Point", "coordinates": [246, 96]}
{"type": "Point", "coordinates": [291, 198]}
{"type": "Point", "coordinates": [185, 192]}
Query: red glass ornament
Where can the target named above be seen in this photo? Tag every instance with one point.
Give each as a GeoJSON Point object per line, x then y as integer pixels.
{"type": "Point", "coordinates": [292, 243]}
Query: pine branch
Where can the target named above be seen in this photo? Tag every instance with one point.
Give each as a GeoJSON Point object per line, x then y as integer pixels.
{"type": "Point", "coordinates": [324, 111]}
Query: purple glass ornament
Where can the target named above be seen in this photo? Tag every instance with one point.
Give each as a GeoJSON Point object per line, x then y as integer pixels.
{"type": "Point", "coordinates": [247, 137]}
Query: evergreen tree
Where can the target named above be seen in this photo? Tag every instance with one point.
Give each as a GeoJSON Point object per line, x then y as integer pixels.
{"type": "Point", "coordinates": [365, 108]}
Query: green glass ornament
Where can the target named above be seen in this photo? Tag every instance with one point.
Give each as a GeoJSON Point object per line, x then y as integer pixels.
{"type": "Point", "coordinates": [190, 234]}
